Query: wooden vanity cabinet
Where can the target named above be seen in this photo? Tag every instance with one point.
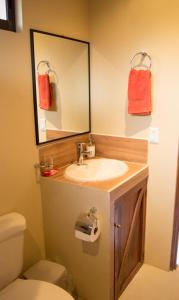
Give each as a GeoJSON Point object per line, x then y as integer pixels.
{"type": "Point", "coordinates": [109, 264]}
{"type": "Point", "coordinates": [129, 232]}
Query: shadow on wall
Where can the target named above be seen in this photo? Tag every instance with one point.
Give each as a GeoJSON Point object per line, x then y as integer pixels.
{"type": "Point", "coordinates": [135, 124]}
{"type": "Point", "coordinates": [91, 248]}
{"type": "Point", "coordinates": [32, 252]}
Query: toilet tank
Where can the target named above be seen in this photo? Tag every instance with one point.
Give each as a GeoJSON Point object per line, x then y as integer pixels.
{"type": "Point", "coordinates": [12, 228]}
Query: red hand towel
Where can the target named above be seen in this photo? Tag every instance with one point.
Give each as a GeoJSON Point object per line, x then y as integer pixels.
{"type": "Point", "coordinates": [45, 100]}
{"type": "Point", "coordinates": [139, 92]}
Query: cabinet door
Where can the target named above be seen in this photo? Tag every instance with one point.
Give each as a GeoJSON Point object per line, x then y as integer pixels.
{"type": "Point", "coordinates": [129, 222]}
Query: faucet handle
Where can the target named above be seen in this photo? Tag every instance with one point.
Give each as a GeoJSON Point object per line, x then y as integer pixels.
{"type": "Point", "coordinates": [80, 146]}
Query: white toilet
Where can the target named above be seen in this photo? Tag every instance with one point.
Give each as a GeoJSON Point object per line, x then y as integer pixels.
{"type": "Point", "coordinates": [12, 228]}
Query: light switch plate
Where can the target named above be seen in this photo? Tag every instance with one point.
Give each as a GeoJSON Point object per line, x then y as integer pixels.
{"type": "Point", "coordinates": [154, 135]}
{"type": "Point", "coordinates": [42, 124]}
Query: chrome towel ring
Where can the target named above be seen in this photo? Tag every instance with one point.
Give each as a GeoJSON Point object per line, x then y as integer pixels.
{"type": "Point", "coordinates": [141, 63]}
{"type": "Point", "coordinates": [47, 64]}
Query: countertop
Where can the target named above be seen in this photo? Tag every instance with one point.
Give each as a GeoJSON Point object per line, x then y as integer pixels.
{"type": "Point", "coordinates": [136, 173]}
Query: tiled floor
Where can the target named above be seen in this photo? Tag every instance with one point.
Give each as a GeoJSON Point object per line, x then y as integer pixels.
{"type": "Point", "coordinates": [151, 283]}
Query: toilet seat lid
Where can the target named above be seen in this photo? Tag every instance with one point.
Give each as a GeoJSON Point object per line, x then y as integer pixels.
{"type": "Point", "coordinates": [33, 290]}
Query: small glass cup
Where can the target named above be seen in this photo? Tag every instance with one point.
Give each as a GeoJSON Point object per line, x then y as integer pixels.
{"type": "Point", "coordinates": [49, 163]}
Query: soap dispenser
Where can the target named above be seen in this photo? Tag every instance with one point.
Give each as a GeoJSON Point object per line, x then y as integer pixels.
{"type": "Point", "coordinates": [90, 147]}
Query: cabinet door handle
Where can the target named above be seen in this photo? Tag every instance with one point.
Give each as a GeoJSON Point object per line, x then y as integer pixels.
{"type": "Point", "coordinates": [117, 225]}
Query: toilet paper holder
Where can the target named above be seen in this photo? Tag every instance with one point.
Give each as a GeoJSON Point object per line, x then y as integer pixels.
{"type": "Point", "coordinates": [87, 226]}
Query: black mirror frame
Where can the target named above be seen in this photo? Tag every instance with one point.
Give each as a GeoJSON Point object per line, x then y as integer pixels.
{"type": "Point", "coordinates": [34, 84]}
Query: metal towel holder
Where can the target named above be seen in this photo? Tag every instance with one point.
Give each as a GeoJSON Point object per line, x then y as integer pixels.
{"type": "Point", "coordinates": [47, 64]}
{"type": "Point", "coordinates": [49, 69]}
{"type": "Point", "coordinates": [141, 64]}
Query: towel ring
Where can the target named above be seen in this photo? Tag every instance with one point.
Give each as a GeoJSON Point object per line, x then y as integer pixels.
{"type": "Point", "coordinates": [49, 69]}
{"type": "Point", "coordinates": [47, 64]}
{"type": "Point", "coordinates": [141, 64]}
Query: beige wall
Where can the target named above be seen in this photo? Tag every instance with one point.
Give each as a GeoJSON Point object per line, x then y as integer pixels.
{"type": "Point", "coordinates": [18, 153]}
{"type": "Point", "coordinates": [119, 29]}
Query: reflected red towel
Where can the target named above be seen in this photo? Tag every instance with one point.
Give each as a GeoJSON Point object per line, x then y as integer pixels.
{"type": "Point", "coordinates": [139, 92]}
{"type": "Point", "coordinates": [45, 100]}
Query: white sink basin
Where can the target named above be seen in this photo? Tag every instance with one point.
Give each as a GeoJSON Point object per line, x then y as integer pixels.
{"type": "Point", "coordinates": [96, 170]}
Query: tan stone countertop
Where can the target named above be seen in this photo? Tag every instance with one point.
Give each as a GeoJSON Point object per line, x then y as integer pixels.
{"type": "Point", "coordinates": [136, 173]}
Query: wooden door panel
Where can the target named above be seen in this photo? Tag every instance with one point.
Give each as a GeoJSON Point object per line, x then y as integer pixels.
{"type": "Point", "coordinates": [130, 215]}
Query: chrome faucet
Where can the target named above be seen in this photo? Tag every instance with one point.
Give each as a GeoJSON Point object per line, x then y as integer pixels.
{"type": "Point", "coordinates": [81, 150]}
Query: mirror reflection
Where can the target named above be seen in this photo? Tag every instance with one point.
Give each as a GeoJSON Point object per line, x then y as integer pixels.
{"type": "Point", "coordinates": [60, 67]}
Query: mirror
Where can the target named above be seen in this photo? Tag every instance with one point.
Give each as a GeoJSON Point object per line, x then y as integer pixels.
{"type": "Point", "coordinates": [61, 86]}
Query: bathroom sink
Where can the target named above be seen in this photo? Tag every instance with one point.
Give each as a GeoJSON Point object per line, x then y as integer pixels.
{"type": "Point", "coordinates": [96, 170]}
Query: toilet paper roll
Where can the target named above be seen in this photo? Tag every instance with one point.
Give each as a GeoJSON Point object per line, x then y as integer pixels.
{"type": "Point", "coordinates": [92, 237]}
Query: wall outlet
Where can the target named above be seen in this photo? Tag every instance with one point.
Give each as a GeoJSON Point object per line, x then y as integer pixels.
{"type": "Point", "coordinates": [154, 135]}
